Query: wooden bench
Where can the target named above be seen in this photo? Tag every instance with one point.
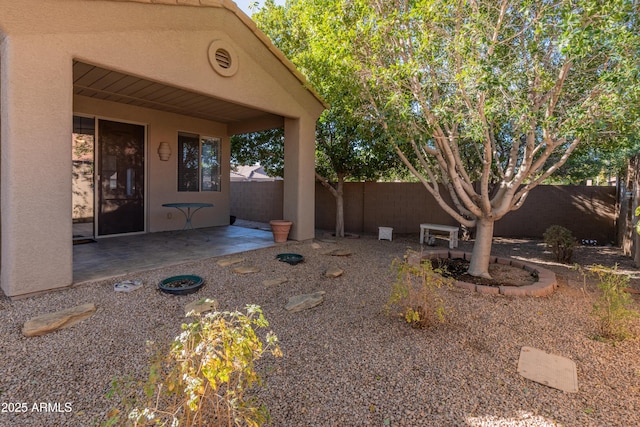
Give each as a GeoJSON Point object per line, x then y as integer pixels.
{"type": "Point", "coordinates": [453, 233]}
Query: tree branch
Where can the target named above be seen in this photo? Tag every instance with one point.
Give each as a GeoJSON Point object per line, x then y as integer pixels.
{"type": "Point", "coordinates": [327, 184]}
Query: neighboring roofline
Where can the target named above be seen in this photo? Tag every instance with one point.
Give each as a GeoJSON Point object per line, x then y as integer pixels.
{"type": "Point", "coordinates": [248, 22]}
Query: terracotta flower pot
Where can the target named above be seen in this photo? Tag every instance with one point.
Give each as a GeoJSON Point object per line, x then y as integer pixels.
{"type": "Point", "coordinates": [280, 229]}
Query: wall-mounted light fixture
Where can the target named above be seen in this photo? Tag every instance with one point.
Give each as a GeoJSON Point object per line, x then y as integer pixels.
{"type": "Point", "coordinates": [164, 151]}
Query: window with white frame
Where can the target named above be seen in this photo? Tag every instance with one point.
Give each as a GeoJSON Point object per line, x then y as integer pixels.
{"type": "Point", "coordinates": [198, 162]}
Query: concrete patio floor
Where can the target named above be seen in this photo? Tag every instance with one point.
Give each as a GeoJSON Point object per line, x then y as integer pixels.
{"type": "Point", "coordinates": [114, 256]}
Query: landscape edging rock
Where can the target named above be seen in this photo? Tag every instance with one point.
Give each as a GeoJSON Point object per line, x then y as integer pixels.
{"type": "Point", "coordinates": [546, 284]}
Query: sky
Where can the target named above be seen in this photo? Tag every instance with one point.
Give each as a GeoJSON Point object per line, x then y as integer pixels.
{"type": "Point", "coordinates": [244, 4]}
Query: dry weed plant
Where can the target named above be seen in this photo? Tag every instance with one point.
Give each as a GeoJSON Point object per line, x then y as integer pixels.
{"type": "Point", "coordinates": [206, 377]}
{"type": "Point", "coordinates": [415, 292]}
{"type": "Point", "coordinates": [614, 308]}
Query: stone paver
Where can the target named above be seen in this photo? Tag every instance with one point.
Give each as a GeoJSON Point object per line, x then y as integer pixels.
{"type": "Point", "coordinates": [333, 272]}
{"type": "Point", "coordinates": [51, 322]}
{"type": "Point", "coordinates": [201, 305]}
{"type": "Point", "coordinates": [245, 269]}
{"type": "Point", "coordinates": [229, 261]}
{"type": "Point", "coordinates": [306, 301]}
{"type": "Point", "coordinates": [273, 282]}
{"type": "Point", "coordinates": [341, 252]}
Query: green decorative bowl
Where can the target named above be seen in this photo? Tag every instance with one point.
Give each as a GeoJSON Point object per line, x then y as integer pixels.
{"type": "Point", "coordinates": [181, 285]}
{"type": "Point", "coordinates": [291, 259]}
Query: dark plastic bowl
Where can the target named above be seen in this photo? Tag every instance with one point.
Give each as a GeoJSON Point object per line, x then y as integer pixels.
{"type": "Point", "coordinates": [176, 285]}
{"type": "Point", "coordinates": [292, 259]}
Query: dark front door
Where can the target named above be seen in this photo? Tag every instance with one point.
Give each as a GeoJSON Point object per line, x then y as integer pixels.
{"type": "Point", "coordinates": [120, 178]}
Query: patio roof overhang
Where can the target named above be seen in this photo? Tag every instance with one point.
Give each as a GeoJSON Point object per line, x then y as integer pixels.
{"type": "Point", "coordinates": [109, 85]}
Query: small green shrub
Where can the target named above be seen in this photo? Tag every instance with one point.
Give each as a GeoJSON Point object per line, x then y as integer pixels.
{"type": "Point", "coordinates": [205, 378]}
{"type": "Point", "coordinates": [415, 291]}
{"type": "Point", "coordinates": [638, 223]}
{"type": "Point", "coordinates": [614, 308]}
{"type": "Point", "coordinates": [561, 242]}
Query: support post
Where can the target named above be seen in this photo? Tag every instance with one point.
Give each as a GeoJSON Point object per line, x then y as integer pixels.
{"type": "Point", "coordinates": [299, 177]}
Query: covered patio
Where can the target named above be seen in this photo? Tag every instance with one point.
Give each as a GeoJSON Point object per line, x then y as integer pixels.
{"type": "Point", "coordinates": [111, 111]}
{"type": "Point", "coordinates": [117, 256]}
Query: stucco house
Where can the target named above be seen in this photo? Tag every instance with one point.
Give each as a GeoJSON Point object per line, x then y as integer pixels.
{"type": "Point", "coordinates": [146, 94]}
{"type": "Point", "coordinates": [250, 173]}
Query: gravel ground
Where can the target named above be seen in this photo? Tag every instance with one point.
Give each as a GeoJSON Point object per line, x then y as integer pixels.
{"type": "Point", "coordinates": [346, 363]}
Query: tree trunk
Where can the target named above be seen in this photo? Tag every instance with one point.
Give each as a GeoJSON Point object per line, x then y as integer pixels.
{"type": "Point", "coordinates": [339, 207]}
{"type": "Point", "coordinates": [482, 248]}
{"type": "Point", "coordinates": [337, 192]}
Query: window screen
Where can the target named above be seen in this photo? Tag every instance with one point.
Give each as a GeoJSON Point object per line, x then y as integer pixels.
{"type": "Point", "coordinates": [198, 163]}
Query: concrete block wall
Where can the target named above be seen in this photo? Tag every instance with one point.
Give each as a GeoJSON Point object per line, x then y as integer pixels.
{"type": "Point", "coordinates": [403, 206]}
{"type": "Point", "coordinates": [589, 212]}
{"type": "Point", "coordinates": [354, 198]}
{"type": "Point", "coordinates": [257, 201]}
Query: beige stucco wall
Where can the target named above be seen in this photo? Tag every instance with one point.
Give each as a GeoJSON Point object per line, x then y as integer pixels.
{"type": "Point", "coordinates": [299, 184]}
{"type": "Point", "coordinates": [164, 43]}
{"type": "Point", "coordinates": [35, 168]}
{"type": "Point", "coordinates": [161, 176]}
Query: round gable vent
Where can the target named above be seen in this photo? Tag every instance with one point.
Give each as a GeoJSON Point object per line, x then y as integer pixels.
{"type": "Point", "coordinates": [223, 58]}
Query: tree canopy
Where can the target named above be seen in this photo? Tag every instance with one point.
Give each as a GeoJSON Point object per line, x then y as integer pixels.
{"type": "Point", "coordinates": [487, 99]}
{"type": "Point", "coordinates": [481, 100]}
{"type": "Point", "coordinates": [349, 145]}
